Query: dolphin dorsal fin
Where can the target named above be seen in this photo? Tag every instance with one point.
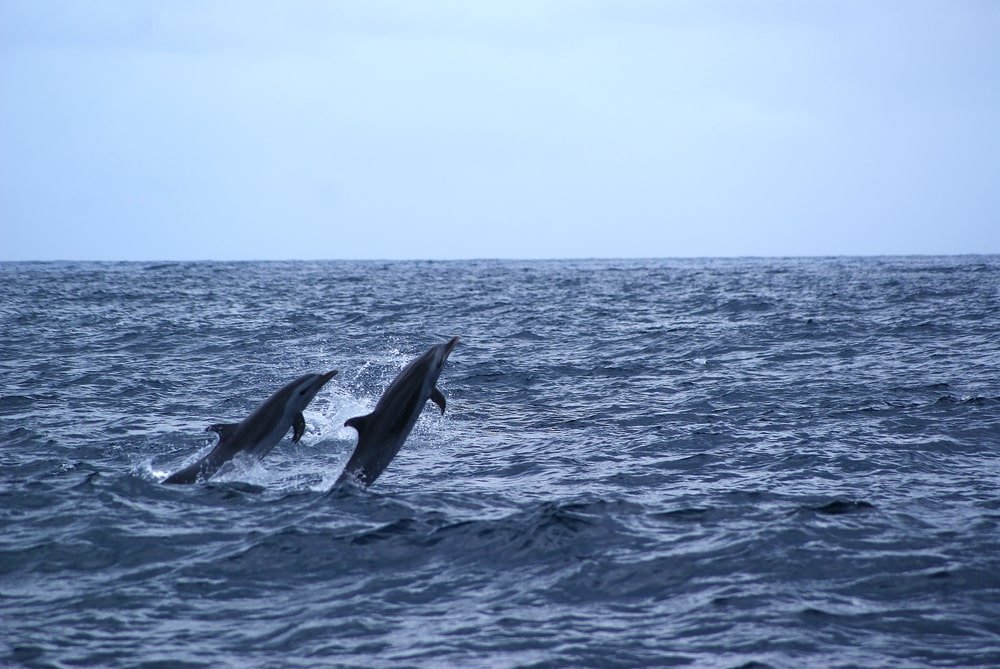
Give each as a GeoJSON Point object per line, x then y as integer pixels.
{"type": "Point", "coordinates": [359, 423]}
{"type": "Point", "coordinates": [438, 398]}
{"type": "Point", "coordinates": [298, 427]}
{"type": "Point", "coordinates": [224, 430]}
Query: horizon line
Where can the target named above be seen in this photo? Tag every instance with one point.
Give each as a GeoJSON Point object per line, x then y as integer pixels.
{"type": "Point", "coordinates": [504, 258]}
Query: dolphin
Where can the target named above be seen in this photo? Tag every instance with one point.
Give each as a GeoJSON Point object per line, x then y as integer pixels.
{"type": "Point", "coordinates": [259, 432]}
{"type": "Point", "coordinates": [382, 432]}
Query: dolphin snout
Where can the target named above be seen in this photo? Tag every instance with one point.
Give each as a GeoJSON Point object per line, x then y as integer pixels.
{"type": "Point", "coordinates": [450, 345]}
{"type": "Point", "coordinates": [326, 377]}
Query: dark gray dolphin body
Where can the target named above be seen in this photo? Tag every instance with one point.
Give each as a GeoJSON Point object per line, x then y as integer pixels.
{"type": "Point", "coordinates": [382, 432]}
{"type": "Point", "coordinates": [259, 432]}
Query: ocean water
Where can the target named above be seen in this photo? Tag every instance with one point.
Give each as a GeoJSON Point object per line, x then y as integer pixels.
{"type": "Point", "coordinates": [704, 463]}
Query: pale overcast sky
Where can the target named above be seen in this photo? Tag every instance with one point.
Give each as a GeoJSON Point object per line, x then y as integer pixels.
{"type": "Point", "coordinates": [214, 129]}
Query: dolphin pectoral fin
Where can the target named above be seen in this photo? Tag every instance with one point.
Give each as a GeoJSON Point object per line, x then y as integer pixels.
{"type": "Point", "coordinates": [438, 398]}
{"type": "Point", "coordinates": [224, 430]}
{"type": "Point", "coordinates": [358, 423]}
{"type": "Point", "coordinates": [298, 427]}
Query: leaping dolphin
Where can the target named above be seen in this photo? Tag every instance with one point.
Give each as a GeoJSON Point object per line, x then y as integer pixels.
{"type": "Point", "coordinates": [382, 432]}
{"type": "Point", "coordinates": [259, 432]}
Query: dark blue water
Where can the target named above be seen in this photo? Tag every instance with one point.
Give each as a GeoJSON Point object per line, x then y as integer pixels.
{"type": "Point", "coordinates": [712, 463]}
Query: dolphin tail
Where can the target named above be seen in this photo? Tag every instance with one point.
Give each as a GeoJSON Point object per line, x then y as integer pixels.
{"type": "Point", "coordinates": [187, 475]}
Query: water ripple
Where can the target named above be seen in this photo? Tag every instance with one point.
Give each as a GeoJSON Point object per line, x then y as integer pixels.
{"type": "Point", "coordinates": [734, 463]}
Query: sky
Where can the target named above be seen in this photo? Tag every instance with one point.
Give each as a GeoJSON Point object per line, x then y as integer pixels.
{"type": "Point", "coordinates": [317, 129]}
